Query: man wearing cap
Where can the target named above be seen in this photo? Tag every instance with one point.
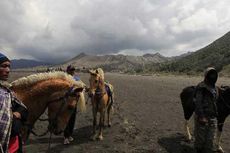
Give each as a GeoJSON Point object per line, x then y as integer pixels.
{"type": "Point", "coordinates": [70, 126]}
{"type": "Point", "coordinates": [205, 99]}
{"type": "Point", "coordinates": [12, 112]}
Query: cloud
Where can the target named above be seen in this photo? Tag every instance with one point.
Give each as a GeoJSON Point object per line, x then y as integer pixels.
{"type": "Point", "coordinates": [58, 30]}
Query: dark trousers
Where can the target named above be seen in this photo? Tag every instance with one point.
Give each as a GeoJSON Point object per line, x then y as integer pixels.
{"type": "Point", "coordinates": [204, 135]}
{"type": "Point", "coordinates": [70, 126]}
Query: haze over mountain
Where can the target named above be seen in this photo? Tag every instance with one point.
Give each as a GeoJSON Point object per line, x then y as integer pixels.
{"type": "Point", "coordinates": [114, 62]}
{"type": "Point", "coordinates": [26, 63]}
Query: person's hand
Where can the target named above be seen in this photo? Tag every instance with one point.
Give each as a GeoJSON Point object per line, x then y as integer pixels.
{"type": "Point", "coordinates": [203, 120]}
{"type": "Point", "coordinates": [17, 115]}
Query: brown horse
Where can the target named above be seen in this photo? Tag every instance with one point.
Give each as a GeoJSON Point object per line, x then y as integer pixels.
{"type": "Point", "coordinates": [57, 91]}
{"type": "Point", "coordinates": [100, 101]}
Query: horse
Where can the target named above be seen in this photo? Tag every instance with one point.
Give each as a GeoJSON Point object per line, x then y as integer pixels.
{"type": "Point", "coordinates": [101, 100]}
{"type": "Point", "coordinates": [57, 91]}
{"type": "Point", "coordinates": [223, 108]}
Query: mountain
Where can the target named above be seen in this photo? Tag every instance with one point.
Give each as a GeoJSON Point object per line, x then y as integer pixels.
{"type": "Point", "coordinates": [25, 63]}
{"type": "Point", "coordinates": [181, 56]}
{"type": "Point", "coordinates": [216, 54]}
{"type": "Point", "coordinates": [114, 62]}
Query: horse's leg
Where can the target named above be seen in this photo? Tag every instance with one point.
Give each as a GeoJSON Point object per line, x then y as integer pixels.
{"type": "Point", "coordinates": [108, 114]}
{"type": "Point", "coordinates": [219, 133]}
{"type": "Point", "coordinates": [94, 122]}
{"type": "Point", "coordinates": [187, 130]}
{"type": "Point", "coordinates": [102, 118]}
{"type": "Point", "coordinates": [188, 111]}
{"type": "Point", "coordinates": [218, 140]}
{"type": "Point", "coordinates": [112, 101]}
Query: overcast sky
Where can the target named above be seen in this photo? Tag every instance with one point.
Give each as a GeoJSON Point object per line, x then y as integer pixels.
{"type": "Point", "coordinates": [56, 30]}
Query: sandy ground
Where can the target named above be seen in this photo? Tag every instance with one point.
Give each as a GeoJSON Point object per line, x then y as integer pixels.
{"type": "Point", "coordinates": [147, 118]}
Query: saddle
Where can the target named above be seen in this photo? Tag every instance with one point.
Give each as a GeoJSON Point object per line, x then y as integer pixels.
{"type": "Point", "coordinates": [108, 89]}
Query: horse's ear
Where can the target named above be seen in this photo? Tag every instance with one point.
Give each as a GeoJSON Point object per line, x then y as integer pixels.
{"type": "Point", "coordinates": [92, 72]}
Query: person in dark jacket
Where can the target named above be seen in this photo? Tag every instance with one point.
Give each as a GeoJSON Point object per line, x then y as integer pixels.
{"type": "Point", "coordinates": [70, 126]}
{"type": "Point", "coordinates": [12, 112]}
{"type": "Point", "coordinates": [205, 99]}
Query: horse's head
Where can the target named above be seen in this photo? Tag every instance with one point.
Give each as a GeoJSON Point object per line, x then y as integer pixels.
{"type": "Point", "coordinates": [96, 79]}
{"type": "Point", "coordinates": [226, 93]}
{"type": "Point", "coordinates": [55, 90]}
{"type": "Point", "coordinates": [61, 108]}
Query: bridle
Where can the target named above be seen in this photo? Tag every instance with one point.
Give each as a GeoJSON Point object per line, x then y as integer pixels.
{"type": "Point", "coordinates": [98, 92]}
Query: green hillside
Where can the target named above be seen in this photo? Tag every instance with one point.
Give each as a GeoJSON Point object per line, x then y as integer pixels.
{"type": "Point", "coordinates": [216, 54]}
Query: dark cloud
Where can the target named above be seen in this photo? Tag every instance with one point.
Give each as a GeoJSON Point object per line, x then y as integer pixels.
{"type": "Point", "coordinates": [55, 30]}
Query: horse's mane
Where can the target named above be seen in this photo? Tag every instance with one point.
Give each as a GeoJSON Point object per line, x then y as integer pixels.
{"type": "Point", "coordinates": [34, 78]}
{"type": "Point", "coordinates": [101, 73]}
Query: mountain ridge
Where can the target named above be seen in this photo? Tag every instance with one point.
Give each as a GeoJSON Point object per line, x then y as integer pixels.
{"type": "Point", "coordinates": [215, 54]}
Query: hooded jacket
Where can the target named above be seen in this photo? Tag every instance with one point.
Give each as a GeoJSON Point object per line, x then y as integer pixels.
{"type": "Point", "coordinates": [206, 95]}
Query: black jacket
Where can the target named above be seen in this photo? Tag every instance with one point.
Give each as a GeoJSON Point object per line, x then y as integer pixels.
{"type": "Point", "coordinates": [17, 106]}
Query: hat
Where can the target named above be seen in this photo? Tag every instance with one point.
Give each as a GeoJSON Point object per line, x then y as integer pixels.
{"type": "Point", "coordinates": [70, 68]}
{"type": "Point", "coordinates": [3, 58]}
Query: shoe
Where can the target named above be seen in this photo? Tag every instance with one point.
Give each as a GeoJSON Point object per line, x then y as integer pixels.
{"type": "Point", "coordinates": [70, 139]}
{"type": "Point", "coordinates": [66, 141]}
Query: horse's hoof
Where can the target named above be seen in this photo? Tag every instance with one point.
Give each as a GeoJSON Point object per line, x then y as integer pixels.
{"type": "Point", "coordinates": [220, 150]}
{"type": "Point", "coordinates": [100, 137]}
{"type": "Point", "coordinates": [189, 139]}
{"type": "Point", "coordinates": [109, 125]}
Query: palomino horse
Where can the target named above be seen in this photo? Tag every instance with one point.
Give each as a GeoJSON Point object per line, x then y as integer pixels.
{"type": "Point", "coordinates": [56, 91]}
{"type": "Point", "coordinates": [223, 107]}
{"type": "Point", "coordinates": [101, 100]}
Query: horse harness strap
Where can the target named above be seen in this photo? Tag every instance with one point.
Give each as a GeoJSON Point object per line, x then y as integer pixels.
{"type": "Point", "coordinates": [100, 93]}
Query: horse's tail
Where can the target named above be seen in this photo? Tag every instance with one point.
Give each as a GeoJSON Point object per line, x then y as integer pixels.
{"type": "Point", "coordinates": [111, 88]}
{"type": "Point", "coordinates": [81, 102]}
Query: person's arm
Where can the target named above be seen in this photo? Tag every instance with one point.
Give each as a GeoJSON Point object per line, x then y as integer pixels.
{"type": "Point", "coordinates": [18, 108]}
{"type": "Point", "coordinates": [20, 112]}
